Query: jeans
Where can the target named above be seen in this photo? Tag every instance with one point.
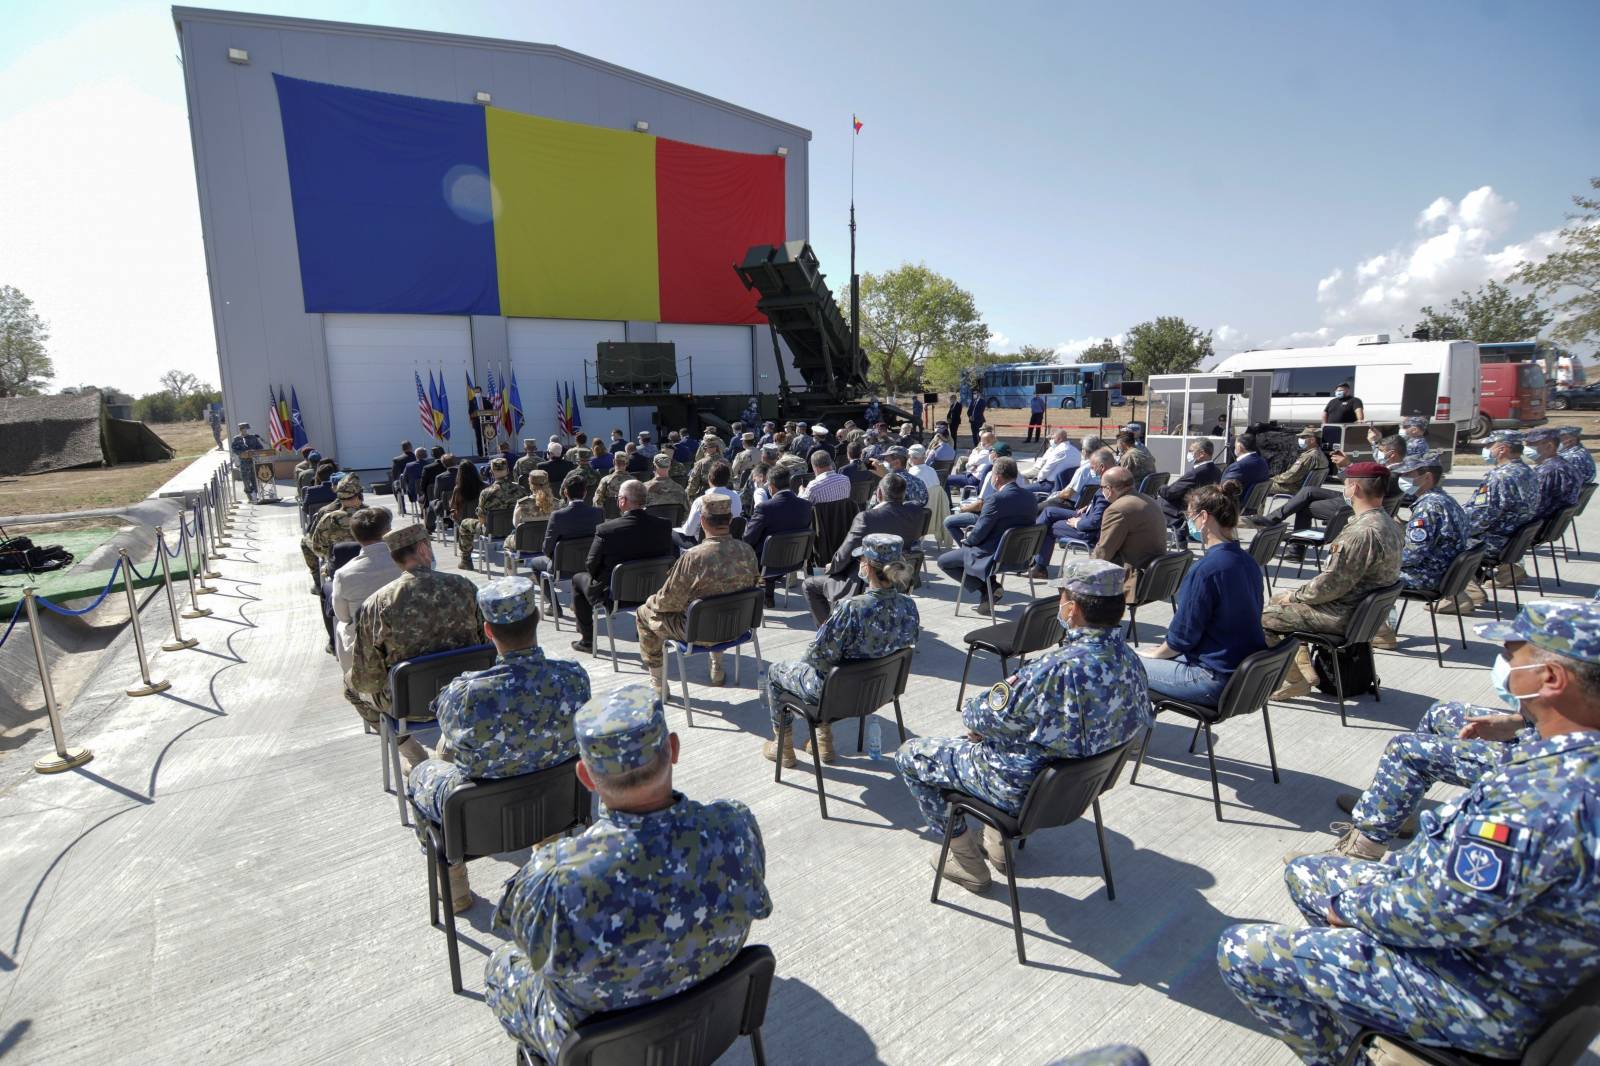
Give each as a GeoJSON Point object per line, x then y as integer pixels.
{"type": "Point", "coordinates": [1055, 519]}
{"type": "Point", "coordinates": [958, 524]}
{"type": "Point", "coordinates": [1189, 682]}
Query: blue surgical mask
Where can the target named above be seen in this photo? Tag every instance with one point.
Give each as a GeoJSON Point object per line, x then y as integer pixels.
{"type": "Point", "coordinates": [1488, 454]}
{"type": "Point", "coordinates": [1408, 486]}
{"type": "Point", "coordinates": [1339, 393]}
{"type": "Point", "coordinates": [1194, 532]}
{"type": "Point", "coordinates": [1500, 677]}
{"type": "Point", "coordinates": [1304, 443]}
{"type": "Point", "coordinates": [1063, 620]}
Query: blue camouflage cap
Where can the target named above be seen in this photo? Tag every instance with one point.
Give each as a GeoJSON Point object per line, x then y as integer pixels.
{"type": "Point", "coordinates": [1569, 628]}
{"type": "Point", "coordinates": [506, 600]}
{"type": "Point", "coordinates": [1430, 461]}
{"type": "Point", "coordinates": [315, 457]}
{"type": "Point", "coordinates": [1415, 421]}
{"type": "Point", "coordinates": [1543, 433]}
{"type": "Point", "coordinates": [1505, 436]}
{"type": "Point", "coordinates": [621, 732]}
{"type": "Point", "coordinates": [1570, 431]}
{"type": "Point", "coordinates": [1090, 577]}
{"type": "Point", "coordinates": [882, 547]}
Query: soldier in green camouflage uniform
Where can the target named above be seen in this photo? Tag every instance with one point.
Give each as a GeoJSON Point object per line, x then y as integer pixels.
{"type": "Point", "coordinates": [420, 611]}
{"type": "Point", "coordinates": [715, 565]}
{"type": "Point", "coordinates": [527, 461]}
{"type": "Point", "coordinates": [605, 493]}
{"type": "Point", "coordinates": [700, 477]}
{"type": "Point", "coordinates": [330, 526]}
{"type": "Point", "coordinates": [580, 465]}
{"type": "Point", "coordinates": [501, 494]}
{"type": "Point", "coordinates": [665, 488]}
{"type": "Point", "coordinates": [1366, 556]}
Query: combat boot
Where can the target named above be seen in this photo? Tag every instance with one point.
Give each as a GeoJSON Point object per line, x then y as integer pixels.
{"type": "Point", "coordinates": [1299, 678]}
{"type": "Point", "coordinates": [994, 848]}
{"type": "Point", "coordinates": [460, 890]}
{"type": "Point", "coordinates": [1386, 638]}
{"type": "Point", "coordinates": [821, 744]}
{"type": "Point", "coordinates": [411, 753]}
{"type": "Point", "coordinates": [1462, 604]}
{"type": "Point", "coordinates": [1352, 843]}
{"type": "Point", "coordinates": [1347, 801]}
{"type": "Point", "coordinates": [466, 563]}
{"type": "Point", "coordinates": [1476, 594]}
{"type": "Point", "coordinates": [719, 672]}
{"type": "Point", "coordinates": [770, 750]}
{"type": "Point", "coordinates": [965, 865]}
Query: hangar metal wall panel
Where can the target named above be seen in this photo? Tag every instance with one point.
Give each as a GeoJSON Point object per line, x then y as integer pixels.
{"type": "Point", "coordinates": [370, 363]}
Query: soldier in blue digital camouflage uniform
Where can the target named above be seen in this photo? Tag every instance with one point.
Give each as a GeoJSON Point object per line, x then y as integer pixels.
{"type": "Point", "coordinates": [1559, 480]}
{"type": "Point", "coordinates": [1438, 529]}
{"type": "Point", "coordinates": [654, 897]}
{"type": "Point", "coordinates": [876, 623]}
{"type": "Point", "coordinates": [1083, 699]}
{"type": "Point", "coordinates": [1415, 431]}
{"type": "Point", "coordinates": [1573, 451]}
{"type": "Point", "coordinates": [1471, 936]}
{"type": "Point", "coordinates": [1506, 500]}
{"type": "Point", "coordinates": [513, 718]}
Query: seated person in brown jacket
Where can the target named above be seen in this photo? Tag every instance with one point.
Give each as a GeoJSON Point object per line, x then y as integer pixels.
{"type": "Point", "coordinates": [1133, 531]}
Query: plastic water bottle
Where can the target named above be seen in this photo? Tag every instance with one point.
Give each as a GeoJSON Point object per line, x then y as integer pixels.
{"type": "Point", "coordinates": [874, 738]}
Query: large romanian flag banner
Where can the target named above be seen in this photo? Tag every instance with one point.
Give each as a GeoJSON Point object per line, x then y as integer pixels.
{"type": "Point", "coordinates": [404, 205]}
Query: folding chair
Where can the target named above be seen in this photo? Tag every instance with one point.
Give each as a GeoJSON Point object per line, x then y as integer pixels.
{"type": "Point", "coordinates": [674, 513]}
{"type": "Point", "coordinates": [1451, 586]}
{"type": "Point", "coordinates": [1258, 496]}
{"type": "Point", "coordinates": [784, 553]}
{"type": "Point", "coordinates": [1012, 555]}
{"type": "Point", "coordinates": [483, 818]}
{"type": "Point", "coordinates": [529, 533]}
{"type": "Point", "coordinates": [1156, 582]}
{"type": "Point", "coordinates": [631, 583]}
{"type": "Point", "coordinates": [1365, 621]}
{"type": "Point", "coordinates": [1549, 535]}
{"type": "Point", "coordinates": [713, 624]}
{"type": "Point", "coordinates": [914, 553]}
{"type": "Point", "coordinates": [1510, 555]}
{"type": "Point", "coordinates": [851, 690]}
{"type": "Point", "coordinates": [496, 528]}
{"type": "Point", "coordinates": [1154, 482]}
{"type": "Point", "coordinates": [572, 556]}
{"type": "Point", "coordinates": [1059, 795]}
{"type": "Point", "coordinates": [1035, 629]}
{"type": "Point", "coordinates": [1584, 495]}
{"type": "Point", "coordinates": [1263, 546]}
{"type": "Point", "coordinates": [412, 686]}
{"type": "Point", "coordinates": [1246, 692]}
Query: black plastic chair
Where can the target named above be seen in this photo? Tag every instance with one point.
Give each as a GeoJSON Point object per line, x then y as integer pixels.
{"type": "Point", "coordinates": [851, 690]}
{"type": "Point", "coordinates": [1059, 795]}
{"type": "Point", "coordinates": [693, 1028]}
{"type": "Point", "coordinates": [713, 624]}
{"type": "Point", "coordinates": [1451, 586]}
{"type": "Point", "coordinates": [1515, 548]}
{"type": "Point", "coordinates": [572, 557]}
{"type": "Point", "coordinates": [861, 490]}
{"type": "Point", "coordinates": [1154, 483]}
{"type": "Point", "coordinates": [783, 554]}
{"type": "Point", "coordinates": [674, 513]}
{"type": "Point", "coordinates": [631, 583]}
{"type": "Point", "coordinates": [1012, 555]}
{"type": "Point", "coordinates": [1086, 495]}
{"type": "Point", "coordinates": [412, 686]}
{"type": "Point", "coordinates": [530, 543]}
{"type": "Point", "coordinates": [1550, 534]}
{"type": "Point", "coordinates": [342, 553]}
{"type": "Point", "coordinates": [1246, 692]}
{"type": "Point", "coordinates": [1257, 497]}
{"type": "Point", "coordinates": [1316, 539]}
{"type": "Point", "coordinates": [496, 528]}
{"type": "Point", "coordinates": [1157, 582]}
{"type": "Point", "coordinates": [1264, 547]}
{"type": "Point", "coordinates": [831, 524]}
{"type": "Point", "coordinates": [317, 497]}
{"type": "Point", "coordinates": [1584, 495]}
{"type": "Point", "coordinates": [1365, 621]}
{"type": "Point", "coordinates": [483, 818]}
{"type": "Point", "coordinates": [1563, 1041]}
{"type": "Point", "coordinates": [1034, 630]}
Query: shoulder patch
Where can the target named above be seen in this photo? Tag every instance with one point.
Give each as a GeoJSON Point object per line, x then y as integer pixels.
{"type": "Point", "coordinates": [1417, 534]}
{"type": "Point", "coordinates": [1479, 866]}
{"type": "Point", "coordinates": [999, 696]}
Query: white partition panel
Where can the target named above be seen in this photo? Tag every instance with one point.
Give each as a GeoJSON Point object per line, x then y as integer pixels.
{"type": "Point", "coordinates": [551, 352]}
{"type": "Point", "coordinates": [371, 362]}
{"type": "Point", "coordinates": [721, 354]}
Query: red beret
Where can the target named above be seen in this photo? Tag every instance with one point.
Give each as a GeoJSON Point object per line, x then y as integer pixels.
{"type": "Point", "coordinates": [1367, 469]}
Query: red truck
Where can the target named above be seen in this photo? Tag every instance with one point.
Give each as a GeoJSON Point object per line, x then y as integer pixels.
{"type": "Point", "coordinates": [1511, 387]}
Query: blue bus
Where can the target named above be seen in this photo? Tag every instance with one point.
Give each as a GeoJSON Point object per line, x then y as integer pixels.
{"type": "Point", "coordinates": [1012, 385]}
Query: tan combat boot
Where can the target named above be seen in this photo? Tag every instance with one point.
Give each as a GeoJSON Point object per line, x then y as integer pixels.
{"type": "Point", "coordinates": [719, 672]}
{"type": "Point", "coordinates": [1386, 638]}
{"type": "Point", "coordinates": [1352, 843]}
{"type": "Point", "coordinates": [965, 865]}
{"type": "Point", "coordinates": [994, 849]}
{"type": "Point", "coordinates": [460, 890]}
{"type": "Point", "coordinates": [770, 749]}
{"type": "Point", "coordinates": [820, 745]}
{"type": "Point", "coordinates": [1298, 679]}
{"type": "Point", "coordinates": [1476, 595]}
{"type": "Point", "coordinates": [411, 753]}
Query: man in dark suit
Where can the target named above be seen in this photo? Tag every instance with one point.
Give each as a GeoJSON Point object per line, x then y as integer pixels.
{"type": "Point", "coordinates": [638, 463]}
{"type": "Point", "coordinates": [430, 470]}
{"type": "Point", "coordinates": [397, 465]}
{"type": "Point", "coordinates": [445, 484]}
{"type": "Point", "coordinates": [557, 467]}
{"type": "Point", "coordinates": [575, 521]}
{"type": "Point", "coordinates": [855, 468]}
{"type": "Point", "coordinates": [1202, 471]}
{"type": "Point", "coordinates": [843, 578]}
{"type": "Point", "coordinates": [412, 475]}
{"type": "Point", "coordinates": [635, 535]}
{"type": "Point", "coordinates": [1248, 468]}
{"type": "Point", "coordinates": [783, 512]}
{"type": "Point", "coordinates": [1010, 506]}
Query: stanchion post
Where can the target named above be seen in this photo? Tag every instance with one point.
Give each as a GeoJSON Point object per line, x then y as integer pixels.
{"type": "Point", "coordinates": [203, 589]}
{"type": "Point", "coordinates": [195, 610]}
{"type": "Point", "coordinates": [177, 643]}
{"type": "Point", "coordinates": [219, 530]}
{"type": "Point", "coordinates": [65, 758]}
{"type": "Point", "coordinates": [149, 688]}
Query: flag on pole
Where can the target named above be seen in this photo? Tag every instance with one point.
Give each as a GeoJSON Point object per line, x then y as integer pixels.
{"type": "Point", "coordinates": [516, 406]}
{"type": "Point", "coordinates": [576, 412]}
{"type": "Point", "coordinates": [563, 425]}
{"type": "Point", "coordinates": [433, 403]}
{"type": "Point", "coordinates": [474, 405]}
{"type": "Point", "coordinates": [505, 403]}
{"type": "Point", "coordinates": [855, 122]}
{"type": "Point", "coordinates": [442, 408]}
{"type": "Point", "coordinates": [287, 441]}
{"type": "Point", "coordinates": [299, 439]}
{"type": "Point", "coordinates": [424, 408]}
{"type": "Point", "coordinates": [275, 435]}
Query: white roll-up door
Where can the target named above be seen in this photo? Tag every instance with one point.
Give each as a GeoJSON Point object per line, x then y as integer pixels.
{"type": "Point", "coordinates": [720, 354]}
{"type": "Point", "coordinates": [372, 360]}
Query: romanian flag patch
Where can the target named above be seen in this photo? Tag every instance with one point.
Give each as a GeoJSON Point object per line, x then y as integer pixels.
{"type": "Point", "coordinates": [1491, 832]}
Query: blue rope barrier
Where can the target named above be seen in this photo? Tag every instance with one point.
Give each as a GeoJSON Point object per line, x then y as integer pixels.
{"type": "Point", "coordinates": [65, 613]}
{"type": "Point", "coordinates": [15, 612]}
{"type": "Point", "coordinates": [154, 566]}
{"type": "Point", "coordinates": [173, 553]}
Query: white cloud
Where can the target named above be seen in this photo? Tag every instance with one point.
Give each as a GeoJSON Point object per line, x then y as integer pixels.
{"type": "Point", "coordinates": [998, 342]}
{"type": "Point", "coordinates": [101, 227]}
{"type": "Point", "coordinates": [1068, 351]}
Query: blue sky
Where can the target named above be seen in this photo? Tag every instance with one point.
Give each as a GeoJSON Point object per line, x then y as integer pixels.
{"type": "Point", "coordinates": [1277, 172]}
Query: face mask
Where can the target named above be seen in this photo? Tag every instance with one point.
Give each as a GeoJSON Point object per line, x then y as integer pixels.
{"type": "Point", "coordinates": [1500, 677]}
{"type": "Point", "coordinates": [1194, 532]}
{"type": "Point", "coordinates": [1304, 444]}
{"type": "Point", "coordinates": [1408, 486]}
{"type": "Point", "coordinates": [1339, 393]}
{"type": "Point", "coordinates": [1488, 455]}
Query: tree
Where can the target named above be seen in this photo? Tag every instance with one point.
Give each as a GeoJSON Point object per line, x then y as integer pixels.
{"type": "Point", "coordinates": [24, 364]}
{"type": "Point", "coordinates": [911, 315]}
{"type": "Point", "coordinates": [1105, 351]}
{"type": "Point", "coordinates": [1166, 345]}
{"type": "Point", "coordinates": [156, 407]}
{"type": "Point", "coordinates": [1574, 270]}
{"type": "Point", "coordinates": [1489, 316]}
{"type": "Point", "coordinates": [180, 384]}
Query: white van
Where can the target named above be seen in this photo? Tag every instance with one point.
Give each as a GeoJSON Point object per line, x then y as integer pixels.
{"type": "Point", "coordinates": [1393, 380]}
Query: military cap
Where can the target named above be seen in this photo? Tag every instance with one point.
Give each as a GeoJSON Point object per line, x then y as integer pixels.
{"type": "Point", "coordinates": [663, 461]}
{"type": "Point", "coordinates": [897, 452]}
{"type": "Point", "coordinates": [315, 457]}
{"type": "Point", "coordinates": [405, 536]}
{"type": "Point", "coordinates": [748, 436]}
{"type": "Point", "coordinates": [819, 430]}
{"type": "Point", "coordinates": [716, 504]}
{"type": "Point", "coordinates": [1570, 628]}
{"type": "Point", "coordinates": [620, 732]}
{"type": "Point", "coordinates": [498, 464]}
{"type": "Point", "coordinates": [1415, 420]}
{"type": "Point", "coordinates": [1570, 431]}
{"type": "Point", "coordinates": [1505, 436]}
{"type": "Point", "coordinates": [1001, 448]}
{"type": "Point", "coordinates": [541, 476]}
{"type": "Point", "coordinates": [882, 548]}
{"type": "Point", "coordinates": [1430, 461]}
{"type": "Point", "coordinates": [1314, 432]}
{"type": "Point", "coordinates": [530, 442]}
{"type": "Point", "coordinates": [1090, 577]}
{"type": "Point", "coordinates": [712, 441]}
{"type": "Point", "coordinates": [1366, 469]}
{"type": "Point", "coordinates": [244, 425]}
{"type": "Point", "coordinates": [1543, 433]}
{"type": "Point", "coordinates": [348, 488]}
{"type": "Point", "coordinates": [580, 454]}
{"type": "Point", "coordinates": [507, 599]}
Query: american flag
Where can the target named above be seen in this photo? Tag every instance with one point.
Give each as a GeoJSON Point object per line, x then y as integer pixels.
{"type": "Point", "coordinates": [276, 434]}
{"type": "Point", "coordinates": [424, 408]}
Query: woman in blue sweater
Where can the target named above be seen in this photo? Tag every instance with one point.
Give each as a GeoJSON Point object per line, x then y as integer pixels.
{"type": "Point", "coordinates": [1218, 621]}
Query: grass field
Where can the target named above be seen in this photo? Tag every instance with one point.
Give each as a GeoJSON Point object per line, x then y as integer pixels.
{"type": "Point", "coordinates": [112, 486]}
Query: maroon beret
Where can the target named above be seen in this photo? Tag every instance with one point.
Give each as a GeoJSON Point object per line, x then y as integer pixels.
{"type": "Point", "coordinates": [1367, 469]}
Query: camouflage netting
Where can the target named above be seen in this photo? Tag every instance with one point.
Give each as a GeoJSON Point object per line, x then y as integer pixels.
{"type": "Point", "coordinates": [43, 433]}
{"type": "Point", "coordinates": [1277, 444]}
